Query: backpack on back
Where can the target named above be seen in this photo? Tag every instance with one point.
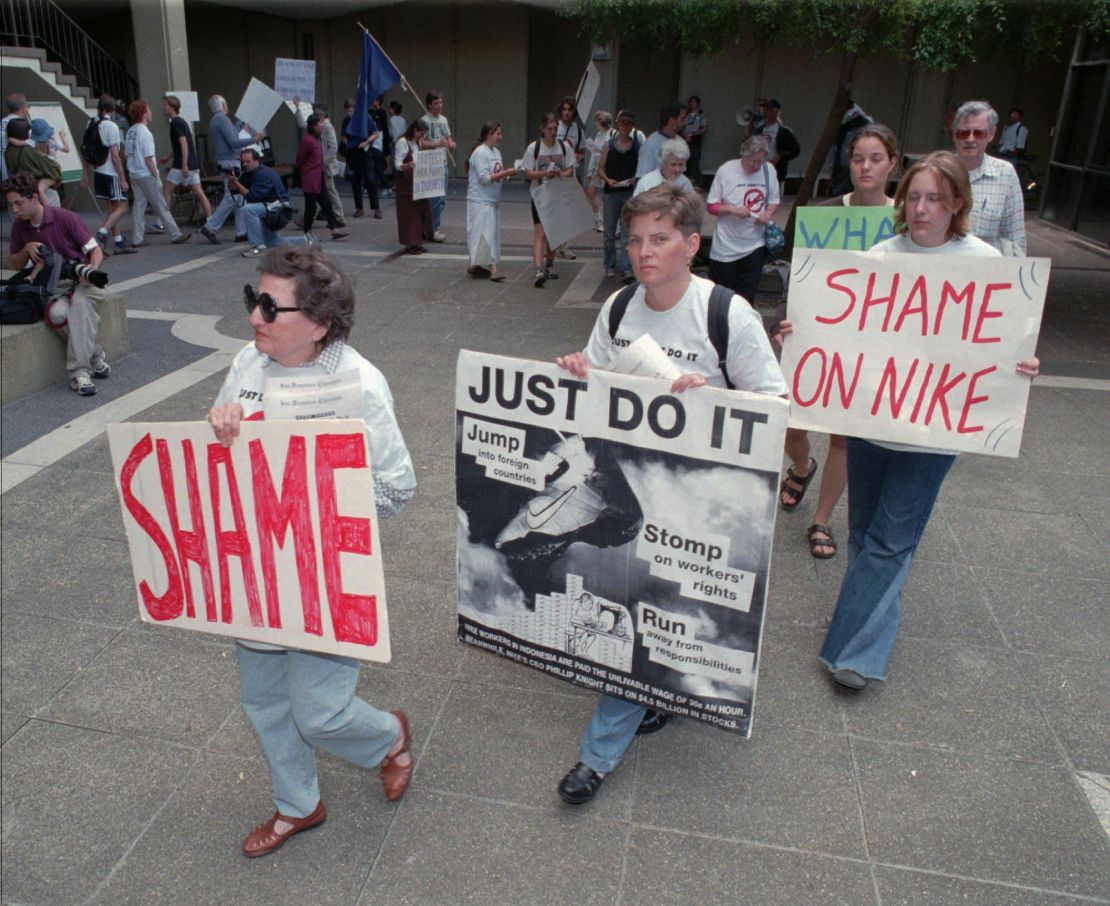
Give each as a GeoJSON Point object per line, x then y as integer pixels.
{"type": "Point", "coordinates": [93, 149]}
{"type": "Point", "coordinates": [716, 321]}
{"type": "Point", "coordinates": [787, 144]}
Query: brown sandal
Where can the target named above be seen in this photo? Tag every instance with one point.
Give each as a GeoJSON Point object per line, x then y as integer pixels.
{"type": "Point", "coordinates": [264, 839]}
{"type": "Point", "coordinates": [396, 777]}
{"type": "Point", "coordinates": [814, 542]}
{"type": "Point", "coordinates": [796, 493]}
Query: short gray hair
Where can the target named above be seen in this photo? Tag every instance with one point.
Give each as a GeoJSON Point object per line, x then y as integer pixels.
{"type": "Point", "coordinates": [675, 148]}
{"type": "Point", "coordinates": [321, 288]}
{"type": "Point", "coordinates": [216, 103]}
{"type": "Point", "coordinates": [974, 108]}
{"type": "Point", "coordinates": [753, 144]}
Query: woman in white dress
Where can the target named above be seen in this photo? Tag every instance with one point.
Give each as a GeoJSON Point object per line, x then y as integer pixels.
{"type": "Point", "coordinates": [483, 204]}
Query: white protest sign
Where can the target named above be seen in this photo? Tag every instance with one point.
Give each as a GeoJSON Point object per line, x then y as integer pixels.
{"type": "Point", "coordinates": [190, 105]}
{"type": "Point", "coordinates": [564, 210]}
{"type": "Point", "coordinates": [274, 539]}
{"type": "Point", "coordinates": [300, 398]}
{"type": "Point", "coordinates": [429, 176]}
{"type": "Point", "coordinates": [617, 535]}
{"type": "Point", "coordinates": [260, 103]}
{"type": "Point", "coordinates": [295, 78]}
{"type": "Point", "coordinates": [69, 161]}
{"type": "Point", "coordinates": [590, 83]}
{"type": "Point", "coordinates": [304, 108]}
{"type": "Point", "coordinates": [916, 349]}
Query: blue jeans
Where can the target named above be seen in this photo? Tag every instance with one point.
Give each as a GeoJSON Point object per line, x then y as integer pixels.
{"type": "Point", "coordinates": [611, 205]}
{"type": "Point", "coordinates": [440, 201]}
{"type": "Point", "coordinates": [228, 204]}
{"type": "Point", "coordinates": [890, 498]}
{"type": "Point", "coordinates": [298, 702]}
{"type": "Point", "coordinates": [611, 730]}
{"type": "Point", "coordinates": [258, 234]}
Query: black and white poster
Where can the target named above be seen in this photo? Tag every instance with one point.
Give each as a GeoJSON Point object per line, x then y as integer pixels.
{"type": "Point", "coordinates": [615, 534]}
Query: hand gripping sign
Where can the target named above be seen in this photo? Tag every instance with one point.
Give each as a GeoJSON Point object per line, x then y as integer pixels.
{"type": "Point", "coordinates": [916, 349]}
{"type": "Point", "coordinates": [274, 539]}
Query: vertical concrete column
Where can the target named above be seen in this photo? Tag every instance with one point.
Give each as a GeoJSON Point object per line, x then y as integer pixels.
{"type": "Point", "coordinates": [161, 53]}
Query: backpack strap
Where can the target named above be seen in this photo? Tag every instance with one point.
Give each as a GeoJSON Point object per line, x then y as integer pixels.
{"type": "Point", "coordinates": [717, 322]}
{"type": "Point", "coordinates": [619, 307]}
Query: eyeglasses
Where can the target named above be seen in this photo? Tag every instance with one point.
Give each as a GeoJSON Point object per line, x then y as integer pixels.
{"type": "Point", "coordinates": [977, 134]}
{"type": "Point", "coordinates": [270, 308]}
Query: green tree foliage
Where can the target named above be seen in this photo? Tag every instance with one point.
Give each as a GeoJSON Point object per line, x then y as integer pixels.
{"type": "Point", "coordinates": [934, 34]}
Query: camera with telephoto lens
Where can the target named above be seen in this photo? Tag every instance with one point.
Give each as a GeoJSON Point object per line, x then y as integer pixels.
{"type": "Point", "coordinates": [77, 270]}
{"type": "Point", "coordinates": [56, 269]}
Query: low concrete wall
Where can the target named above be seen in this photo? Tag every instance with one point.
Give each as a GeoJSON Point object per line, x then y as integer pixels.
{"type": "Point", "coordinates": [33, 357]}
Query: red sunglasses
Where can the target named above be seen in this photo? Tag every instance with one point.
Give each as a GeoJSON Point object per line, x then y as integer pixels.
{"type": "Point", "coordinates": [964, 134]}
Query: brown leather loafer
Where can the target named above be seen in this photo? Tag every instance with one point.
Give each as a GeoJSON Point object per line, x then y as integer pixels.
{"type": "Point", "coordinates": [263, 840]}
{"type": "Point", "coordinates": [396, 777]}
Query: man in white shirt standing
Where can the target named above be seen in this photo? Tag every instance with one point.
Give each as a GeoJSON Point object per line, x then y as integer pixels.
{"type": "Point", "coordinates": [998, 215]}
{"type": "Point", "coordinates": [145, 183]}
{"type": "Point", "coordinates": [438, 136]}
{"type": "Point", "coordinates": [1011, 146]}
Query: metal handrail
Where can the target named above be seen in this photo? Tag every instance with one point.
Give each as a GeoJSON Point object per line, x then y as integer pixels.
{"type": "Point", "coordinates": [42, 24]}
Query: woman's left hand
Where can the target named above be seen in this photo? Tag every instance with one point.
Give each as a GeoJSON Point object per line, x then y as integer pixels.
{"type": "Point", "coordinates": [684, 381]}
{"type": "Point", "coordinates": [225, 422]}
{"type": "Point", "coordinates": [1030, 367]}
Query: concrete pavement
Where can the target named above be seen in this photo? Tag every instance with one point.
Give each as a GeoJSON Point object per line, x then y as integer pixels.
{"type": "Point", "coordinates": [974, 775]}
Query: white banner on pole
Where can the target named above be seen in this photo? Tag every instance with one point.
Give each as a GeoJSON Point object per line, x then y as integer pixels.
{"type": "Point", "coordinates": [590, 84]}
{"type": "Point", "coordinates": [274, 539]}
{"type": "Point", "coordinates": [260, 103]}
{"type": "Point", "coordinates": [564, 210]}
{"type": "Point", "coordinates": [914, 349]}
{"type": "Point", "coordinates": [429, 176]}
{"type": "Point", "coordinates": [295, 78]}
{"type": "Point", "coordinates": [190, 105]}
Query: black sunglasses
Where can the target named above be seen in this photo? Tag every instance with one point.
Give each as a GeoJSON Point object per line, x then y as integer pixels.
{"type": "Point", "coordinates": [270, 308]}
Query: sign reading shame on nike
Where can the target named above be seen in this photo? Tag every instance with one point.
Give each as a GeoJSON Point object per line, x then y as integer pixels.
{"type": "Point", "coordinates": [615, 534]}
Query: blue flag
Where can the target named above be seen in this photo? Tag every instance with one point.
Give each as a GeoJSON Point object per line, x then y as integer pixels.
{"type": "Point", "coordinates": [376, 76]}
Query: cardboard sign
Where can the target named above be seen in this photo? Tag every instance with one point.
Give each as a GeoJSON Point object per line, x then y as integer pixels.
{"type": "Point", "coordinates": [69, 161]}
{"type": "Point", "coordinates": [295, 78]}
{"type": "Point", "coordinates": [913, 348]}
{"type": "Point", "coordinates": [617, 535]}
{"type": "Point", "coordinates": [591, 81]}
{"type": "Point", "coordinates": [190, 105]}
{"type": "Point", "coordinates": [429, 175]}
{"type": "Point", "coordinates": [260, 103]}
{"type": "Point", "coordinates": [838, 227]}
{"type": "Point", "coordinates": [564, 210]}
{"type": "Point", "coordinates": [274, 539]}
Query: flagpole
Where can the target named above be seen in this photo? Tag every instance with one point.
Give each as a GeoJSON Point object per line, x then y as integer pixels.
{"type": "Point", "coordinates": [404, 79]}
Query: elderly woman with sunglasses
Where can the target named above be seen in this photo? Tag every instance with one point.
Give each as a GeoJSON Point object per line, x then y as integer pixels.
{"type": "Point", "coordinates": [299, 701]}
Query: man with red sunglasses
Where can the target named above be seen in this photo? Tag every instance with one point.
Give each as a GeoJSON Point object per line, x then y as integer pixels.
{"type": "Point", "coordinates": [998, 216]}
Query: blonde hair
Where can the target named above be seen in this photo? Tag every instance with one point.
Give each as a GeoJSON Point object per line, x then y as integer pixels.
{"type": "Point", "coordinates": [952, 184]}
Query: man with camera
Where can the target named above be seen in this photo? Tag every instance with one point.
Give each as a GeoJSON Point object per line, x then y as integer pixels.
{"type": "Point", "coordinates": [40, 232]}
{"type": "Point", "coordinates": [263, 194]}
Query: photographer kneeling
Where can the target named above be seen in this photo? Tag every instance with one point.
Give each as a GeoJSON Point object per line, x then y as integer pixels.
{"type": "Point", "coordinates": [37, 230]}
{"type": "Point", "coordinates": [265, 202]}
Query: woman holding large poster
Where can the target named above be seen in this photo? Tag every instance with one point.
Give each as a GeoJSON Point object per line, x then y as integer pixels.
{"type": "Point", "coordinates": [873, 157]}
{"type": "Point", "coordinates": [892, 487]}
{"type": "Point", "coordinates": [483, 203]}
{"type": "Point", "coordinates": [547, 157]}
{"type": "Point", "coordinates": [299, 701]}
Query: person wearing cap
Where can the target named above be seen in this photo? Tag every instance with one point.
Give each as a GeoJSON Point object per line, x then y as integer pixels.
{"type": "Point", "coordinates": [330, 143]}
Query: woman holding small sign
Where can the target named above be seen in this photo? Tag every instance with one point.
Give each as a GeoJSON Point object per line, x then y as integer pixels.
{"type": "Point", "coordinates": [873, 157]}
{"type": "Point", "coordinates": [299, 701]}
{"type": "Point", "coordinates": [483, 204]}
{"type": "Point", "coordinates": [892, 486]}
{"type": "Point", "coordinates": [414, 218]}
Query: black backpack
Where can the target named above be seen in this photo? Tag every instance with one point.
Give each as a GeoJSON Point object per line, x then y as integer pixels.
{"type": "Point", "coordinates": [93, 149]}
{"type": "Point", "coordinates": [717, 321]}
{"type": "Point", "coordinates": [787, 144]}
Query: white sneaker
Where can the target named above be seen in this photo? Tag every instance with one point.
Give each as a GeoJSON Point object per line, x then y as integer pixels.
{"type": "Point", "coordinates": [82, 385]}
{"type": "Point", "coordinates": [100, 367]}
{"type": "Point", "coordinates": [566, 254]}
{"type": "Point", "coordinates": [438, 236]}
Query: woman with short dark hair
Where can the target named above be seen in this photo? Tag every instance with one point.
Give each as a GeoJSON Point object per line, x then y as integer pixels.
{"type": "Point", "coordinates": [414, 218]}
{"type": "Point", "coordinates": [310, 162]}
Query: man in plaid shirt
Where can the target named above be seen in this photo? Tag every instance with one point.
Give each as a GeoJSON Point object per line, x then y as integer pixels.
{"type": "Point", "coordinates": [998, 217]}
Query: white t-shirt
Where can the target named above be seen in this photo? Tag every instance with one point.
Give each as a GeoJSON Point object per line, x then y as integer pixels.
{"type": "Point", "coordinates": [683, 332]}
{"type": "Point", "coordinates": [437, 127]}
{"type": "Point", "coordinates": [735, 237]}
{"type": "Point", "coordinates": [970, 246]}
{"type": "Point", "coordinates": [538, 156]}
{"type": "Point", "coordinates": [397, 126]}
{"type": "Point", "coordinates": [109, 134]}
{"type": "Point", "coordinates": [139, 145]}
{"type": "Point", "coordinates": [656, 178]}
{"type": "Point", "coordinates": [401, 150]}
{"type": "Point", "coordinates": [571, 134]}
{"type": "Point", "coordinates": [480, 187]}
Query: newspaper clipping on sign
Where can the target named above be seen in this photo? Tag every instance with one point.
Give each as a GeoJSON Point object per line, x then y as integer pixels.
{"type": "Point", "coordinates": [616, 535]}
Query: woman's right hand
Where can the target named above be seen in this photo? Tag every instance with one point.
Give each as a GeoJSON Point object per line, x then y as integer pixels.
{"type": "Point", "coordinates": [784, 327]}
{"type": "Point", "coordinates": [575, 363]}
{"type": "Point", "coordinates": [225, 421]}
